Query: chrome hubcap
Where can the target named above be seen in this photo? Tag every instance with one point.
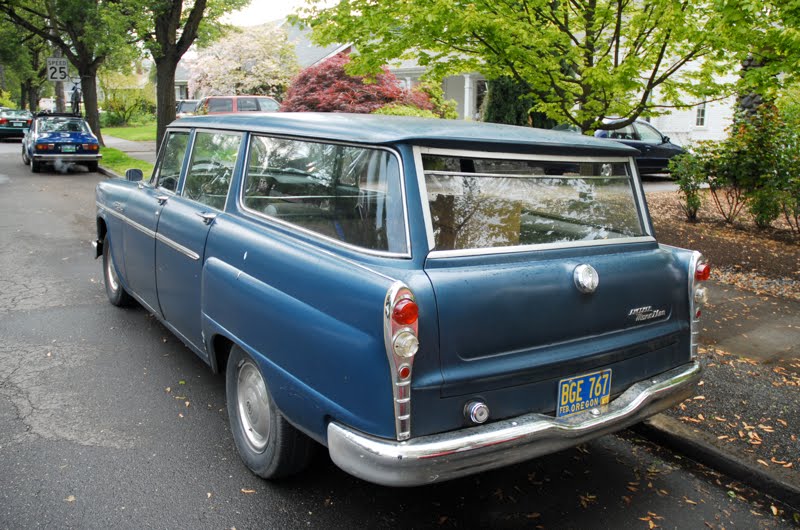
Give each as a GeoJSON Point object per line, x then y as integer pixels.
{"type": "Point", "coordinates": [254, 414]}
{"type": "Point", "coordinates": [113, 283]}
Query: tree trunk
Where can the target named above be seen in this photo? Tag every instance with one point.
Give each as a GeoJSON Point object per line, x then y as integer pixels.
{"type": "Point", "coordinates": [165, 94]}
{"type": "Point", "coordinates": [32, 96]}
{"type": "Point", "coordinates": [89, 89]}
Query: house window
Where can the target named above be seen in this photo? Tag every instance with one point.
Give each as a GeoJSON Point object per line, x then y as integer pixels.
{"type": "Point", "coordinates": [700, 118]}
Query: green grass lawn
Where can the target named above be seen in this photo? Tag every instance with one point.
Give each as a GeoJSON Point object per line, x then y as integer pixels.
{"type": "Point", "coordinates": [139, 133]}
{"type": "Point", "coordinates": [117, 161]}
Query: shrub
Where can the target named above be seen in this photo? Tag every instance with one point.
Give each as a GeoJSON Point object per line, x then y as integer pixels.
{"type": "Point", "coordinates": [691, 169]}
{"type": "Point", "coordinates": [397, 109]}
{"type": "Point", "coordinates": [328, 87]}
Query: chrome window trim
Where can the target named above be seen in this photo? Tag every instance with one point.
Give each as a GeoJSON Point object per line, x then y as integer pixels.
{"type": "Point", "coordinates": [439, 254]}
{"type": "Point", "coordinates": [379, 253]}
{"type": "Point", "coordinates": [435, 254]}
{"type": "Point", "coordinates": [189, 253]}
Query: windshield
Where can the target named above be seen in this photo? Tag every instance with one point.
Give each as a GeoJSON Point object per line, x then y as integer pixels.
{"type": "Point", "coordinates": [482, 203]}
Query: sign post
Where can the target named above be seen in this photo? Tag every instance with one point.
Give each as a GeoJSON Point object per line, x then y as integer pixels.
{"type": "Point", "coordinates": [57, 69]}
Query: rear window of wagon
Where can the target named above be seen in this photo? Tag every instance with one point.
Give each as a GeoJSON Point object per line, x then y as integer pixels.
{"type": "Point", "coordinates": [488, 203]}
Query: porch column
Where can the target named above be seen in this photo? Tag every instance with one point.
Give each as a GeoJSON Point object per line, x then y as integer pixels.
{"type": "Point", "coordinates": [467, 96]}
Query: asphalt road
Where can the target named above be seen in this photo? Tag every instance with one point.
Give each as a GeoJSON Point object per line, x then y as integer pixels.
{"type": "Point", "coordinates": [107, 421]}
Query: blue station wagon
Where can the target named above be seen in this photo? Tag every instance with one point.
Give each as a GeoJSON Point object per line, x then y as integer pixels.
{"type": "Point", "coordinates": [427, 299]}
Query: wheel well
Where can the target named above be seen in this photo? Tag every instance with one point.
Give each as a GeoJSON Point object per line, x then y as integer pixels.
{"type": "Point", "coordinates": [221, 350]}
{"type": "Point", "coordinates": [101, 229]}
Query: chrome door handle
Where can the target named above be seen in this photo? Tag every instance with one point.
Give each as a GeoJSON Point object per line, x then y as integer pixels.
{"type": "Point", "coordinates": [162, 199]}
{"type": "Point", "coordinates": [207, 217]}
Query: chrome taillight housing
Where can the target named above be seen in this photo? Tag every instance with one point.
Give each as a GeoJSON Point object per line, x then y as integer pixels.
{"type": "Point", "coordinates": [401, 338]}
{"type": "Point", "coordinates": [699, 271]}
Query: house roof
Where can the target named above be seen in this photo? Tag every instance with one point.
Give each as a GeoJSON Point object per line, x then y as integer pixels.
{"type": "Point", "coordinates": [378, 129]}
{"type": "Point", "coordinates": [307, 52]}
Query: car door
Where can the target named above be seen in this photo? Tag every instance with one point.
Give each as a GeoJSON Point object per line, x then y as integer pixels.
{"type": "Point", "coordinates": [655, 151]}
{"type": "Point", "coordinates": [183, 228]}
{"type": "Point", "coordinates": [142, 212]}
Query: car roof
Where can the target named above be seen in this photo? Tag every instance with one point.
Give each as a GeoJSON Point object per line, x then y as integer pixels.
{"type": "Point", "coordinates": [385, 130]}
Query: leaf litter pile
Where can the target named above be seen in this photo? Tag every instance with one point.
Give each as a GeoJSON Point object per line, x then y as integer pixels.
{"type": "Point", "coordinates": [749, 407]}
{"type": "Point", "coordinates": [762, 261]}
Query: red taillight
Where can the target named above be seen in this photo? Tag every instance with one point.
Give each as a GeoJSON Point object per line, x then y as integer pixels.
{"type": "Point", "coordinates": [3, 121]}
{"type": "Point", "coordinates": [702, 272]}
{"type": "Point", "coordinates": [405, 312]}
{"type": "Point", "coordinates": [404, 371]}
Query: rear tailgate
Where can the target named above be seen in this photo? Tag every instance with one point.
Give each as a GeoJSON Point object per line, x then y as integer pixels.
{"type": "Point", "coordinates": [505, 323]}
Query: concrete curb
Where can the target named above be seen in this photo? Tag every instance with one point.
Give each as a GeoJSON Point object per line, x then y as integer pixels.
{"type": "Point", "coordinates": [702, 447]}
{"type": "Point", "coordinates": [108, 173]}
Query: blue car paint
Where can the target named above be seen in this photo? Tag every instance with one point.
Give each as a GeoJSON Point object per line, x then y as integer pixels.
{"type": "Point", "coordinates": [310, 310]}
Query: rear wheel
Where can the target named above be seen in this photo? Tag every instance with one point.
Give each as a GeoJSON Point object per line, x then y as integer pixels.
{"type": "Point", "coordinates": [268, 444]}
{"type": "Point", "coordinates": [35, 166]}
{"type": "Point", "coordinates": [116, 293]}
{"type": "Point", "coordinates": [92, 166]}
{"type": "Point", "coordinates": [25, 159]}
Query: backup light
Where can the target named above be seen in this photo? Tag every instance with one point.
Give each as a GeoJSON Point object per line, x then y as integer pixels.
{"type": "Point", "coordinates": [405, 344]}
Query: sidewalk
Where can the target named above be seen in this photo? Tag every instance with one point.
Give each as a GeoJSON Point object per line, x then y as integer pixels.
{"type": "Point", "coordinates": [141, 150]}
{"type": "Point", "coordinates": [745, 418]}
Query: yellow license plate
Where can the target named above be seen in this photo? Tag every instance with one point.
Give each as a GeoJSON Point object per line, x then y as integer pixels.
{"type": "Point", "coordinates": [583, 392]}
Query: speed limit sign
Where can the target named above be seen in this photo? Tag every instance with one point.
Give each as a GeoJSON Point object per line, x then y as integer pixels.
{"type": "Point", "coordinates": [57, 69]}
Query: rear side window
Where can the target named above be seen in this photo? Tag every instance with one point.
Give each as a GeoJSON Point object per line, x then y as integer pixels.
{"type": "Point", "coordinates": [347, 193]}
{"type": "Point", "coordinates": [268, 104]}
{"type": "Point", "coordinates": [482, 203]}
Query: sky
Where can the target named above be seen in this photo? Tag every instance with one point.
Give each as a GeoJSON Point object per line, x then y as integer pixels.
{"type": "Point", "coordinates": [261, 11]}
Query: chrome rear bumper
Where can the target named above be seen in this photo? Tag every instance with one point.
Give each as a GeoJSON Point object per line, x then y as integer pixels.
{"type": "Point", "coordinates": [450, 455]}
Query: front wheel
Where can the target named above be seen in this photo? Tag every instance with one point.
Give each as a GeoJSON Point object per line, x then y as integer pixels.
{"type": "Point", "coordinates": [114, 290]}
{"type": "Point", "coordinates": [268, 444]}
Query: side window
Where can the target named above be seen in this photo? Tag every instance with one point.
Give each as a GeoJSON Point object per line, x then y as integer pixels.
{"type": "Point", "coordinates": [648, 134]}
{"type": "Point", "coordinates": [625, 133]}
{"type": "Point", "coordinates": [246, 104]}
{"type": "Point", "coordinates": [220, 105]}
{"type": "Point", "coordinates": [350, 194]}
{"type": "Point", "coordinates": [168, 172]}
{"type": "Point", "coordinates": [211, 167]}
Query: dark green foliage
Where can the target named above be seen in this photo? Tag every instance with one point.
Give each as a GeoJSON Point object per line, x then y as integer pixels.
{"type": "Point", "coordinates": [509, 101]}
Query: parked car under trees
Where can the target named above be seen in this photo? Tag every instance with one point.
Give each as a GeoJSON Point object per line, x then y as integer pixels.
{"type": "Point", "coordinates": [427, 299]}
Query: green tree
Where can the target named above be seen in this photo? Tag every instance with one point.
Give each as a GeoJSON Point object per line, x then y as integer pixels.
{"type": "Point", "coordinates": [86, 31]}
{"type": "Point", "coordinates": [167, 28]}
{"type": "Point", "coordinates": [23, 57]}
{"type": "Point", "coordinates": [587, 59]}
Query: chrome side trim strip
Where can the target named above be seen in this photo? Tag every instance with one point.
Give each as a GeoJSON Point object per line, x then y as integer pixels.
{"type": "Point", "coordinates": [127, 220]}
{"type": "Point", "coordinates": [450, 455]}
{"type": "Point", "coordinates": [189, 253]}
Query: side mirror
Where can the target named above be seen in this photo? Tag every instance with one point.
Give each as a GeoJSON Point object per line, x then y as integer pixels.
{"type": "Point", "coordinates": [134, 175]}
{"type": "Point", "coordinates": [665, 139]}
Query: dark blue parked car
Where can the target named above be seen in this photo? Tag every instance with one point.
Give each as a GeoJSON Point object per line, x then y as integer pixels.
{"type": "Point", "coordinates": [655, 149]}
{"type": "Point", "coordinates": [426, 298]}
{"type": "Point", "coordinates": [55, 139]}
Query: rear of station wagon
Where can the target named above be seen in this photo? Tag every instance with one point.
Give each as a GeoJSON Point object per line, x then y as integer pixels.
{"type": "Point", "coordinates": [428, 299]}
